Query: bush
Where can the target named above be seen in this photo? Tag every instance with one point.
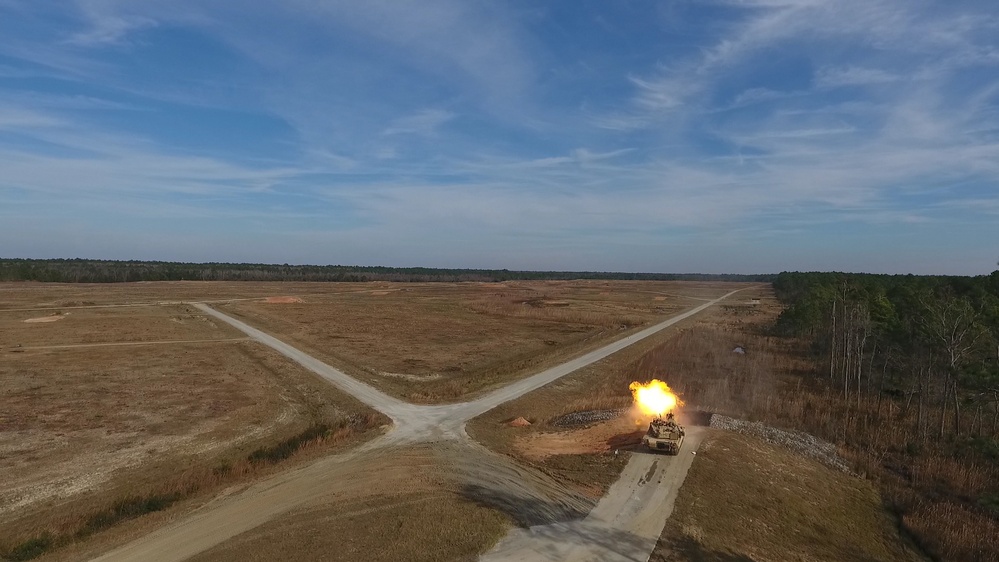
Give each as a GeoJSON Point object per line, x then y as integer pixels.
{"type": "Point", "coordinates": [32, 548]}
{"type": "Point", "coordinates": [289, 446]}
{"type": "Point", "coordinates": [128, 508]}
{"type": "Point", "coordinates": [990, 502]}
{"type": "Point", "coordinates": [981, 446]}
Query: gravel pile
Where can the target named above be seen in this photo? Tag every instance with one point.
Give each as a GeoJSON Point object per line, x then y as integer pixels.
{"type": "Point", "coordinates": [576, 419]}
{"type": "Point", "coordinates": [797, 441]}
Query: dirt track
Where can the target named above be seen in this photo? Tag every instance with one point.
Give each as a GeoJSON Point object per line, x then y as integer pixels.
{"type": "Point", "coordinates": [633, 510]}
{"type": "Point", "coordinates": [624, 526]}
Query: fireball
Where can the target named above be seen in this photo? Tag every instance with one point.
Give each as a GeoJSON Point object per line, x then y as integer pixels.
{"type": "Point", "coordinates": [654, 398]}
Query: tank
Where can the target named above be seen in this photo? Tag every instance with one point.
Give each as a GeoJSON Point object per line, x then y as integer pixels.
{"type": "Point", "coordinates": [664, 435]}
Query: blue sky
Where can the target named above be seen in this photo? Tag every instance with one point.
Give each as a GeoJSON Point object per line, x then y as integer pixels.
{"type": "Point", "coordinates": [674, 136]}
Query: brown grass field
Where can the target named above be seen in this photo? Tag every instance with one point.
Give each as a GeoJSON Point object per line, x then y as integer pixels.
{"type": "Point", "coordinates": [445, 342]}
{"type": "Point", "coordinates": [774, 504]}
{"type": "Point", "coordinates": [745, 499]}
{"type": "Point", "coordinates": [131, 394]}
{"type": "Point", "coordinates": [122, 393]}
{"type": "Point", "coordinates": [141, 401]}
{"type": "Point", "coordinates": [402, 505]}
{"type": "Point", "coordinates": [587, 458]}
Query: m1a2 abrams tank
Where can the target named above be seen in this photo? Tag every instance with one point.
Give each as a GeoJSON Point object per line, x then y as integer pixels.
{"type": "Point", "coordinates": [664, 435]}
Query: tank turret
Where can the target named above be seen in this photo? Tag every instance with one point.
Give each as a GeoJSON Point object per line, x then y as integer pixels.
{"type": "Point", "coordinates": [664, 435]}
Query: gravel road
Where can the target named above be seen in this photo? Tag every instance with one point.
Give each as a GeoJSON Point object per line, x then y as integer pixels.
{"type": "Point", "coordinates": [624, 526]}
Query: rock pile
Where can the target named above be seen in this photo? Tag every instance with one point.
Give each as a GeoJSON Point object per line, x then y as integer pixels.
{"type": "Point", "coordinates": [576, 419]}
{"type": "Point", "coordinates": [798, 441]}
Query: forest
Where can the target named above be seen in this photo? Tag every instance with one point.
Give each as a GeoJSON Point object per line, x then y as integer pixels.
{"type": "Point", "coordinates": [112, 271]}
{"type": "Point", "coordinates": [905, 377]}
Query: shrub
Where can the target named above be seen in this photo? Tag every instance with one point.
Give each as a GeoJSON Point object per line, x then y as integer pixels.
{"type": "Point", "coordinates": [31, 548]}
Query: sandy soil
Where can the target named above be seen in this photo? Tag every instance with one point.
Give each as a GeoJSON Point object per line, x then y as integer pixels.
{"type": "Point", "coordinates": [45, 319]}
{"type": "Point", "coordinates": [283, 300]}
{"type": "Point", "coordinates": [620, 433]}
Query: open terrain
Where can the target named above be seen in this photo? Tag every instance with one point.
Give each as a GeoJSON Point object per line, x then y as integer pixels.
{"type": "Point", "coordinates": [526, 495]}
{"type": "Point", "coordinates": [745, 499]}
{"type": "Point", "coordinates": [434, 343]}
{"type": "Point", "coordinates": [151, 402]}
{"type": "Point", "coordinates": [556, 487]}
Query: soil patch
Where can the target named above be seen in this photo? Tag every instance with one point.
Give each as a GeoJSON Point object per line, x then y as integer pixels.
{"type": "Point", "coordinates": [283, 300]}
{"type": "Point", "coordinates": [617, 433]}
{"type": "Point", "coordinates": [42, 319]}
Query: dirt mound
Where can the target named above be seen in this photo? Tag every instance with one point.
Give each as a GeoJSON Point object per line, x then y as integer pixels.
{"type": "Point", "coordinates": [50, 318]}
{"type": "Point", "coordinates": [618, 433]}
{"type": "Point", "coordinates": [283, 300]}
{"type": "Point", "coordinates": [379, 293]}
{"type": "Point", "coordinates": [519, 422]}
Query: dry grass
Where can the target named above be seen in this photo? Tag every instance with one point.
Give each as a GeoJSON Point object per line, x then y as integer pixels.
{"type": "Point", "coordinates": [603, 385]}
{"type": "Point", "coordinates": [110, 325]}
{"type": "Point", "coordinates": [775, 382]}
{"type": "Point", "coordinates": [91, 434]}
{"type": "Point", "coordinates": [404, 505]}
{"type": "Point", "coordinates": [747, 500]}
{"type": "Point", "coordinates": [954, 531]}
{"type": "Point", "coordinates": [120, 431]}
{"type": "Point", "coordinates": [86, 431]}
{"type": "Point", "coordinates": [678, 355]}
{"type": "Point", "coordinates": [443, 342]}
{"type": "Point", "coordinates": [49, 296]}
{"type": "Point", "coordinates": [410, 526]}
{"type": "Point", "coordinates": [698, 361]}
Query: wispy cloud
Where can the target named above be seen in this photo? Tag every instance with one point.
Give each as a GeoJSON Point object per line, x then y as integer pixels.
{"type": "Point", "coordinates": [109, 30]}
{"type": "Point", "coordinates": [425, 122]}
{"type": "Point", "coordinates": [835, 77]}
{"type": "Point", "coordinates": [446, 125]}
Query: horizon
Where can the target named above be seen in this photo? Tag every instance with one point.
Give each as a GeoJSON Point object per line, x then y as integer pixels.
{"type": "Point", "coordinates": [491, 269]}
{"type": "Point", "coordinates": [757, 135]}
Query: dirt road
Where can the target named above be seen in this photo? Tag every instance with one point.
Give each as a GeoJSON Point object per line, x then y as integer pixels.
{"type": "Point", "coordinates": [228, 517]}
{"type": "Point", "coordinates": [128, 344]}
{"type": "Point", "coordinates": [624, 526]}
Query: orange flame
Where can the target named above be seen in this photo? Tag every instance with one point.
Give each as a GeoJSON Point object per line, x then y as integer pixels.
{"type": "Point", "coordinates": [654, 398]}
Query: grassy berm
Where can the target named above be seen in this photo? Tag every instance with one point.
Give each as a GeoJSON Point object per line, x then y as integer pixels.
{"type": "Point", "coordinates": [747, 500]}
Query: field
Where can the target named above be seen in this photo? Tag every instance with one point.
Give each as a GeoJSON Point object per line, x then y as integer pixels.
{"type": "Point", "coordinates": [584, 454]}
{"type": "Point", "coordinates": [106, 404]}
{"type": "Point", "coordinates": [432, 343]}
{"type": "Point", "coordinates": [126, 400]}
{"type": "Point", "coordinates": [745, 499]}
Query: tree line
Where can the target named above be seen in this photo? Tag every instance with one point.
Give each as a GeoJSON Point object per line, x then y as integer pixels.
{"type": "Point", "coordinates": [112, 271]}
{"type": "Point", "coordinates": [929, 341]}
{"type": "Point", "coordinates": [904, 375]}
